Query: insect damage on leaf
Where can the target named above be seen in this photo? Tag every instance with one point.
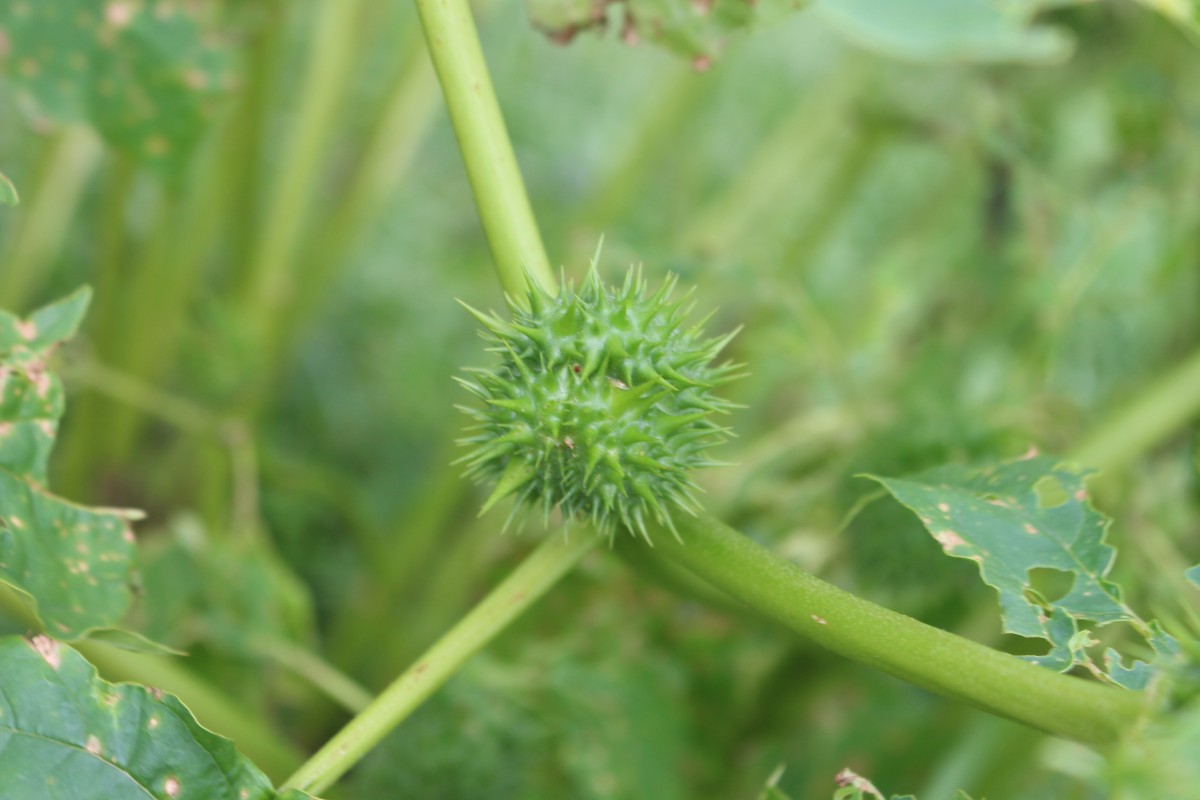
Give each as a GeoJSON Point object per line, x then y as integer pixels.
{"type": "Point", "coordinates": [73, 561]}
{"type": "Point", "coordinates": [1016, 519]}
{"type": "Point", "coordinates": [601, 405]}
{"type": "Point", "coordinates": [694, 29]}
{"type": "Point", "coordinates": [67, 733]}
{"type": "Point", "coordinates": [143, 73]}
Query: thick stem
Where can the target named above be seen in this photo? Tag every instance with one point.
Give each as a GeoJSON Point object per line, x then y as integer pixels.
{"type": "Point", "coordinates": [500, 194]}
{"type": "Point", "coordinates": [528, 582]}
{"type": "Point", "coordinates": [898, 645]}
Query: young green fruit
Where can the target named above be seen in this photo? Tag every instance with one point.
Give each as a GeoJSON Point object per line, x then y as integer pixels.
{"type": "Point", "coordinates": [601, 405]}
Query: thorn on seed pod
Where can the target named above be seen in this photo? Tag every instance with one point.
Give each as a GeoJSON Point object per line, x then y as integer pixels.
{"type": "Point", "coordinates": [630, 452]}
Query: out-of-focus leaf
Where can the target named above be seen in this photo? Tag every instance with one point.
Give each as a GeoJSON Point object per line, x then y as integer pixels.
{"type": "Point", "coordinates": [140, 72]}
{"type": "Point", "coordinates": [8, 192]}
{"type": "Point", "coordinates": [1184, 13]}
{"type": "Point", "coordinates": [228, 592]}
{"type": "Point", "coordinates": [131, 642]}
{"type": "Point", "coordinates": [1193, 575]}
{"type": "Point", "coordinates": [1160, 763]}
{"type": "Point", "coordinates": [64, 732]}
{"type": "Point", "coordinates": [1012, 518]}
{"type": "Point", "coordinates": [948, 30]}
{"type": "Point", "coordinates": [71, 560]}
{"type": "Point", "coordinates": [694, 29]}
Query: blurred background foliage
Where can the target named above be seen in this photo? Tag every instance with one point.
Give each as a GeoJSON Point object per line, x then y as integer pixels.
{"type": "Point", "coordinates": [950, 234]}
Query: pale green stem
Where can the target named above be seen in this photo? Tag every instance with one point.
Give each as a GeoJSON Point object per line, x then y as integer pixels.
{"type": "Point", "coordinates": [334, 683]}
{"type": "Point", "coordinates": [928, 657]}
{"type": "Point", "coordinates": [527, 583]}
{"type": "Point", "coordinates": [267, 289]}
{"type": "Point", "coordinates": [48, 209]}
{"type": "Point", "coordinates": [500, 194]}
{"type": "Point", "coordinates": [1146, 421]}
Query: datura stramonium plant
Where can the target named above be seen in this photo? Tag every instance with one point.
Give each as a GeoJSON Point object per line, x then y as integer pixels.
{"type": "Point", "coordinates": [601, 405]}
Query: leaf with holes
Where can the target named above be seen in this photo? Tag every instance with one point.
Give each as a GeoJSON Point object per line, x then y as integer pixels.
{"type": "Point", "coordinates": [1013, 518]}
{"type": "Point", "coordinates": [73, 561]}
{"type": "Point", "coordinates": [140, 72]}
{"type": "Point", "coordinates": [694, 29]}
{"type": "Point", "coordinates": [64, 732]}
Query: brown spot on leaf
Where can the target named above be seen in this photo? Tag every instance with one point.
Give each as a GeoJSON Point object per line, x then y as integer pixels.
{"type": "Point", "coordinates": [820, 620]}
{"type": "Point", "coordinates": [47, 648]}
{"type": "Point", "coordinates": [949, 539]}
{"type": "Point", "coordinates": [27, 329]}
{"type": "Point", "coordinates": [93, 745]}
{"type": "Point", "coordinates": [171, 787]}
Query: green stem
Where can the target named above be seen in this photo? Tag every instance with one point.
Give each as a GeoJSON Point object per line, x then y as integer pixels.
{"type": "Point", "coordinates": [335, 684]}
{"type": "Point", "coordinates": [1146, 421]}
{"type": "Point", "coordinates": [267, 289]}
{"type": "Point", "coordinates": [500, 194]}
{"type": "Point", "coordinates": [898, 645]}
{"type": "Point", "coordinates": [48, 209]}
{"type": "Point", "coordinates": [527, 583]}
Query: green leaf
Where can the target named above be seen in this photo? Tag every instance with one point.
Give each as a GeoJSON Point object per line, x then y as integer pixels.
{"type": "Point", "coordinates": [1015, 517]}
{"type": "Point", "coordinates": [1193, 575]}
{"type": "Point", "coordinates": [65, 733]}
{"type": "Point", "coordinates": [73, 561]}
{"type": "Point", "coordinates": [140, 72]}
{"type": "Point", "coordinates": [1167, 653]}
{"type": "Point", "coordinates": [948, 30]}
{"type": "Point", "coordinates": [8, 192]}
{"type": "Point", "coordinates": [694, 29]}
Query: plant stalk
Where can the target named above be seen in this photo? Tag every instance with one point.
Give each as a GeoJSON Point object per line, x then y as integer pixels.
{"type": "Point", "coordinates": [527, 583]}
{"type": "Point", "coordinates": [899, 645]}
{"type": "Point", "coordinates": [1149, 418]}
{"type": "Point", "coordinates": [500, 195]}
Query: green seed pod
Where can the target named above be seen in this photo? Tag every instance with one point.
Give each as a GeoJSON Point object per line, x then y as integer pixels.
{"type": "Point", "coordinates": [600, 406]}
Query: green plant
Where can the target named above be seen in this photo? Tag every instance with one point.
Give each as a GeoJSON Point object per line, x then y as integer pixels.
{"type": "Point", "coordinates": [600, 406]}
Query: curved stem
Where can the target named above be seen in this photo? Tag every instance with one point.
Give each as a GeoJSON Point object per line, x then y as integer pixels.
{"type": "Point", "coordinates": [898, 645]}
{"type": "Point", "coordinates": [500, 194]}
{"type": "Point", "coordinates": [528, 582]}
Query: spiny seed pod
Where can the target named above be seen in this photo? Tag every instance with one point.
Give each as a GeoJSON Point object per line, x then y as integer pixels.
{"type": "Point", "coordinates": [600, 406]}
